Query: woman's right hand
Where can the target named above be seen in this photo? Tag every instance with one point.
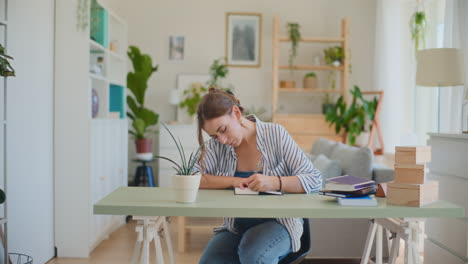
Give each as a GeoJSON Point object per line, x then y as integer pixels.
{"type": "Point", "coordinates": [241, 183]}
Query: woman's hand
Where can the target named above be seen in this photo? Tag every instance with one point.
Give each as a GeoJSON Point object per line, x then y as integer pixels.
{"type": "Point", "coordinates": [262, 183]}
{"type": "Point", "coordinates": [241, 183]}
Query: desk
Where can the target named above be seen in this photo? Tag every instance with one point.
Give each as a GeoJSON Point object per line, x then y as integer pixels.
{"type": "Point", "coordinates": [147, 201]}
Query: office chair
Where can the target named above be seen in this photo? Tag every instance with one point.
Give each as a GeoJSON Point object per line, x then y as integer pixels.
{"type": "Point", "coordinates": [297, 257]}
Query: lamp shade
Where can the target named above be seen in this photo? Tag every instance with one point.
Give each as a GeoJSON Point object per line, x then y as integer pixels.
{"type": "Point", "coordinates": [174, 98]}
{"type": "Point", "coordinates": [439, 67]}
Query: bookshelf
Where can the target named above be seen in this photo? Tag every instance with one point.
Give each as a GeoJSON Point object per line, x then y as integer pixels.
{"type": "Point", "coordinates": [91, 150]}
{"type": "Point", "coordinates": [316, 126]}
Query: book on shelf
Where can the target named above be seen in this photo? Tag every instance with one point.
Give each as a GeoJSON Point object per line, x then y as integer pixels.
{"type": "Point", "coordinates": [247, 191]}
{"type": "Point", "coordinates": [358, 201]}
{"type": "Point", "coordinates": [361, 192]}
{"type": "Point", "coordinates": [348, 183]}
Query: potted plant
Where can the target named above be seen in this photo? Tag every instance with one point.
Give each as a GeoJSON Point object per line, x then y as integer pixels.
{"type": "Point", "coordinates": [143, 119]}
{"type": "Point", "coordinates": [310, 81]}
{"type": "Point", "coordinates": [295, 37]}
{"type": "Point", "coordinates": [418, 27]}
{"type": "Point", "coordinates": [218, 71]}
{"type": "Point", "coordinates": [334, 56]}
{"type": "Point", "coordinates": [192, 97]}
{"type": "Point", "coordinates": [6, 70]}
{"type": "Point", "coordinates": [184, 181]}
{"type": "Point", "coordinates": [352, 119]}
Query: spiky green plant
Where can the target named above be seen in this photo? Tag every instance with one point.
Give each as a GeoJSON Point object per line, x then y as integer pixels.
{"type": "Point", "coordinates": [186, 166]}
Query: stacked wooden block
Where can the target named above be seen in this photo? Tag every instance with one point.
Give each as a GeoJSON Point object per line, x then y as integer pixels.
{"type": "Point", "coordinates": [410, 187]}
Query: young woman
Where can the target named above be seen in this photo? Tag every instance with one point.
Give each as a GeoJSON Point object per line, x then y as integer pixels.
{"type": "Point", "coordinates": [246, 152]}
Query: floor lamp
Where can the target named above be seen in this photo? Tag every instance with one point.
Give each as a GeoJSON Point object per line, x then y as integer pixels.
{"type": "Point", "coordinates": [441, 67]}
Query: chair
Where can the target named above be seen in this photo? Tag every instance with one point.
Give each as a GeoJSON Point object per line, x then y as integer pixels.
{"type": "Point", "coordinates": [297, 257]}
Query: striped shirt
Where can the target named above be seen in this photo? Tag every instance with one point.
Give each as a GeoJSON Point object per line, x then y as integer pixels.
{"type": "Point", "coordinates": [280, 157]}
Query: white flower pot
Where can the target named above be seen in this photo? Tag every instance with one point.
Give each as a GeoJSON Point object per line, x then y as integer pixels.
{"type": "Point", "coordinates": [186, 187]}
{"type": "Point", "coordinates": [362, 139]}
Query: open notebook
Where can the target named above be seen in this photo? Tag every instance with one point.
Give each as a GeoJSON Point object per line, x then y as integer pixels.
{"type": "Point", "coordinates": [248, 191]}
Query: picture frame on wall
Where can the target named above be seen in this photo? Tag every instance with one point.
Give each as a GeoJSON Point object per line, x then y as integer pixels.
{"type": "Point", "coordinates": [176, 48]}
{"type": "Point", "coordinates": [243, 39]}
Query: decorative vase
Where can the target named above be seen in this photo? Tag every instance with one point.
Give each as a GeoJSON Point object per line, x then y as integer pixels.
{"type": "Point", "coordinates": [336, 63]}
{"type": "Point", "coordinates": [310, 82]}
{"type": "Point", "coordinates": [144, 149]}
{"type": "Point", "coordinates": [287, 84]}
{"type": "Point", "coordinates": [186, 187]}
{"type": "Point", "coordinates": [362, 139]}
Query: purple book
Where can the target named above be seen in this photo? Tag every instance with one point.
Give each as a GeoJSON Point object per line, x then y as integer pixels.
{"type": "Point", "coordinates": [348, 183]}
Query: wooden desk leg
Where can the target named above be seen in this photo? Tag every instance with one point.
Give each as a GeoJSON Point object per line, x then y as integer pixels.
{"type": "Point", "coordinates": [369, 242]}
{"type": "Point", "coordinates": [378, 245]}
{"type": "Point", "coordinates": [168, 241]}
{"type": "Point", "coordinates": [181, 233]}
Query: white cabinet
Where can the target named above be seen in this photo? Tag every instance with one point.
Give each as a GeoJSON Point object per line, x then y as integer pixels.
{"type": "Point", "coordinates": [188, 135]}
{"type": "Point", "coordinates": [447, 238]}
{"type": "Point", "coordinates": [91, 155]}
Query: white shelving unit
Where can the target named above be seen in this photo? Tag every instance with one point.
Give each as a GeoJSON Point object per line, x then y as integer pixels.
{"type": "Point", "coordinates": [91, 152]}
{"type": "Point", "coordinates": [3, 137]}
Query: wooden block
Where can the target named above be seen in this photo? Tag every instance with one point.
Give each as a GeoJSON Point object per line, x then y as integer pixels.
{"type": "Point", "coordinates": [381, 190]}
{"type": "Point", "coordinates": [414, 173]}
{"type": "Point", "coordinates": [415, 195]}
{"type": "Point", "coordinates": [413, 154]}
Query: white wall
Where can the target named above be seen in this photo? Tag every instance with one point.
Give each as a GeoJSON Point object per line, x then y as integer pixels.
{"type": "Point", "coordinates": [30, 129]}
{"type": "Point", "coordinates": [150, 23]}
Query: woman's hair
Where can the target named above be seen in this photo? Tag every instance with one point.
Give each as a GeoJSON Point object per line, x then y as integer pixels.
{"type": "Point", "coordinates": [214, 104]}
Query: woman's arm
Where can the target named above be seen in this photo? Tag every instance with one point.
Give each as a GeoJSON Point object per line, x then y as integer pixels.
{"type": "Point", "coordinates": [264, 183]}
{"type": "Point", "coordinates": [218, 182]}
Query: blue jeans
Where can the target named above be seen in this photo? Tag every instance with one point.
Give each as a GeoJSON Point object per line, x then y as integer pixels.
{"type": "Point", "coordinates": [258, 241]}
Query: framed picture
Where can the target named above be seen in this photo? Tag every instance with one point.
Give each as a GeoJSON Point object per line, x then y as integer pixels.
{"type": "Point", "coordinates": [176, 48]}
{"type": "Point", "coordinates": [243, 39]}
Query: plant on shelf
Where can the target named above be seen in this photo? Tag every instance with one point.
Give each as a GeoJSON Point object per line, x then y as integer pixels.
{"type": "Point", "coordinates": [418, 27]}
{"type": "Point", "coordinates": [352, 119]}
{"type": "Point", "coordinates": [185, 181]}
{"type": "Point", "coordinates": [334, 56]}
{"type": "Point", "coordinates": [6, 70]}
{"type": "Point", "coordinates": [295, 37]}
{"type": "Point", "coordinates": [143, 119]}
{"type": "Point", "coordinates": [218, 71]}
{"type": "Point", "coordinates": [192, 97]}
{"type": "Point", "coordinates": [310, 81]}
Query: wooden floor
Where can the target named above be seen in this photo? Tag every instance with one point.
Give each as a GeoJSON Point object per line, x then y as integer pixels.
{"type": "Point", "coordinates": [118, 249]}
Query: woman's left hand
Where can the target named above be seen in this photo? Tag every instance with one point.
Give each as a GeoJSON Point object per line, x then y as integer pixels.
{"type": "Point", "coordinates": [263, 183]}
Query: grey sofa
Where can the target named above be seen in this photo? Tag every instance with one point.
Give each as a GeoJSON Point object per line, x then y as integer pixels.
{"type": "Point", "coordinates": [343, 238]}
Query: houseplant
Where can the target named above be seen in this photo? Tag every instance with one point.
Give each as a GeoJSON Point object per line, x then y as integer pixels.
{"type": "Point", "coordinates": [310, 80]}
{"type": "Point", "coordinates": [418, 27]}
{"type": "Point", "coordinates": [334, 55]}
{"type": "Point", "coordinates": [352, 119]}
{"type": "Point", "coordinates": [143, 119]}
{"type": "Point", "coordinates": [6, 70]}
{"type": "Point", "coordinates": [192, 98]}
{"type": "Point", "coordinates": [184, 181]}
{"type": "Point", "coordinates": [294, 37]}
{"type": "Point", "coordinates": [218, 71]}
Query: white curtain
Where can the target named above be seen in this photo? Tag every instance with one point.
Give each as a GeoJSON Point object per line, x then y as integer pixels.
{"type": "Point", "coordinates": [455, 36]}
{"type": "Point", "coordinates": [387, 69]}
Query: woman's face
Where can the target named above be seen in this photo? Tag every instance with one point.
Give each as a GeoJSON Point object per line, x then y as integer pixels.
{"type": "Point", "coordinates": [226, 129]}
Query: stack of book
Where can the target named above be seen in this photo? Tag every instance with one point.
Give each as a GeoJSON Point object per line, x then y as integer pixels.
{"type": "Point", "coordinates": [351, 190]}
{"type": "Point", "coordinates": [410, 186]}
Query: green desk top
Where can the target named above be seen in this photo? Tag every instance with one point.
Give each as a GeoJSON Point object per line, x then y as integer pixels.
{"type": "Point", "coordinates": [148, 201]}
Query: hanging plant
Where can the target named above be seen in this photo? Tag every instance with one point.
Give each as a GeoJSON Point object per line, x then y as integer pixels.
{"type": "Point", "coordinates": [295, 37]}
{"type": "Point", "coordinates": [418, 27]}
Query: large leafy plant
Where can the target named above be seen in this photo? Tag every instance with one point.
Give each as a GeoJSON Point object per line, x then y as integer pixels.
{"type": "Point", "coordinates": [137, 82]}
{"type": "Point", "coordinates": [352, 119]}
{"type": "Point", "coordinates": [218, 71]}
{"type": "Point", "coordinates": [185, 167]}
